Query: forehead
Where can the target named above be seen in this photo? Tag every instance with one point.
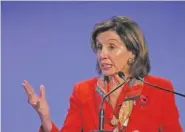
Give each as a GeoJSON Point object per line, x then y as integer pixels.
{"type": "Point", "coordinates": [108, 36]}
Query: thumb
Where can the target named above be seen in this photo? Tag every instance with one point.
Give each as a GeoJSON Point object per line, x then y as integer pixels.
{"type": "Point", "coordinates": [42, 92]}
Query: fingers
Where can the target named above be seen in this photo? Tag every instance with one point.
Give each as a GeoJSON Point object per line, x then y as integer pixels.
{"type": "Point", "coordinates": [33, 100]}
{"type": "Point", "coordinates": [28, 88]}
{"type": "Point", "coordinates": [42, 92]}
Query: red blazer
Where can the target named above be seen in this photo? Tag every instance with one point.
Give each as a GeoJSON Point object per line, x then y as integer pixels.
{"type": "Point", "coordinates": [160, 110]}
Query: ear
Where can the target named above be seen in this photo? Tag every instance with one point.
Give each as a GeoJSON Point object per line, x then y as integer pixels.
{"type": "Point", "coordinates": [131, 55]}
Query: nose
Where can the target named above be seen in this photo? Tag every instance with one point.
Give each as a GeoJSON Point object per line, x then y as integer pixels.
{"type": "Point", "coordinates": [103, 53]}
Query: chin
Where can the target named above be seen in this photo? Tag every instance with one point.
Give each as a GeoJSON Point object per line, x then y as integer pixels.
{"type": "Point", "coordinates": [108, 73]}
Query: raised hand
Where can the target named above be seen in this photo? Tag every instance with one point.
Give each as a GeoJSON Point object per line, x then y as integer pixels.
{"type": "Point", "coordinates": [38, 102]}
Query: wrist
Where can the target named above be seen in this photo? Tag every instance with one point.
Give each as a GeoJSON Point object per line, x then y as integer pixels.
{"type": "Point", "coordinates": [46, 123]}
{"type": "Point", "coordinates": [44, 117]}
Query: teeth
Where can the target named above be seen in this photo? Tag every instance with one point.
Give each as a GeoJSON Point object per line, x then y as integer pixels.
{"type": "Point", "coordinates": [106, 65]}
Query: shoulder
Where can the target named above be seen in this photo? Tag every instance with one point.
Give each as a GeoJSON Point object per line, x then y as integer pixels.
{"type": "Point", "coordinates": [160, 89]}
{"type": "Point", "coordinates": [85, 88]}
{"type": "Point", "coordinates": [86, 84]}
{"type": "Point", "coordinates": [89, 81]}
{"type": "Point", "coordinates": [159, 81]}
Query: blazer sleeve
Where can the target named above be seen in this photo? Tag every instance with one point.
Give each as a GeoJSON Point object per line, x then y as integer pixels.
{"type": "Point", "coordinates": [170, 115]}
{"type": "Point", "coordinates": [73, 120]}
{"type": "Point", "coordinates": [54, 128]}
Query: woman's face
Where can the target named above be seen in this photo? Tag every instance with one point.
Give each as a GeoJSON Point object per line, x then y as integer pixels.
{"type": "Point", "coordinates": [111, 53]}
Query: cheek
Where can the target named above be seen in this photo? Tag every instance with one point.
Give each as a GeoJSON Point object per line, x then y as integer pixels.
{"type": "Point", "coordinates": [121, 59]}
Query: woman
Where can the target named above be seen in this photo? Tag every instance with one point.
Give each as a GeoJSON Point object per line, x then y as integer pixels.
{"type": "Point", "coordinates": [136, 107]}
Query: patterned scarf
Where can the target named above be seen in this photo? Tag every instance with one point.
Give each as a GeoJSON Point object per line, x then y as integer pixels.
{"type": "Point", "coordinates": [121, 122]}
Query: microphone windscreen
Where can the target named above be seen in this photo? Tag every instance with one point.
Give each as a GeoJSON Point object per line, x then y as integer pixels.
{"type": "Point", "coordinates": [121, 74]}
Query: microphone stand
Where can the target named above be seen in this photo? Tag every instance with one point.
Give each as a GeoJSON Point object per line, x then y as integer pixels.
{"type": "Point", "coordinates": [121, 75]}
{"type": "Point", "coordinates": [101, 112]}
{"type": "Point", "coordinates": [161, 88]}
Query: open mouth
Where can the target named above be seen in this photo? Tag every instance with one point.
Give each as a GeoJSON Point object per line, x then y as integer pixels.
{"type": "Point", "coordinates": [106, 66]}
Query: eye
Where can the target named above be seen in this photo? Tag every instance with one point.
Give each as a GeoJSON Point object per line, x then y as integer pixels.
{"type": "Point", "coordinates": [111, 47]}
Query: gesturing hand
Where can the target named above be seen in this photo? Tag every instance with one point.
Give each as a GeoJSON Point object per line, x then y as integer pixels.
{"type": "Point", "coordinates": [38, 102]}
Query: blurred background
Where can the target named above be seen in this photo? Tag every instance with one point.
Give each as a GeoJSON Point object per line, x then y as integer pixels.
{"type": "Point", "coordinates": [49, 43]}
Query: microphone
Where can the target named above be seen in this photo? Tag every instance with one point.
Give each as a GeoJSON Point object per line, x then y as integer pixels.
{"type": "Point", "coordinates": [152, 85]}
{"type": "Point", "coordinates": [121, 75]}
{"type": "Point", "coordinates": [101, 112]}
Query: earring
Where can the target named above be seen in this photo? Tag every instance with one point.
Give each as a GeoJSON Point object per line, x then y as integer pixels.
{"type": "Point", "coordinates": [130, 61]}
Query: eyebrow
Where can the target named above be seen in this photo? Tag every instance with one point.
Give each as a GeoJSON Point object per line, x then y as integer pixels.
{"type": "Point", "coordinates": [97, 41]}
{"type": "Point", "coordinates": [114, 40]}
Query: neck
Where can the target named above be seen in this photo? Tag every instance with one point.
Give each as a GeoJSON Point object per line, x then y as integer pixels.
{"type": "Point", "coordinates": [115, 80]}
